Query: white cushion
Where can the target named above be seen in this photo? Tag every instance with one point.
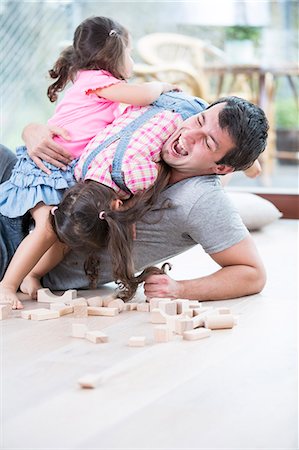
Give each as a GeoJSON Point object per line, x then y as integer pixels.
{"type": "Point", "coordinates": [255, 211]}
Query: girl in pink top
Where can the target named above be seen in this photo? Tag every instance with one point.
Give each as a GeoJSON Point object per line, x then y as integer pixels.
{"type": "Point", "coordinates": [98, 63]}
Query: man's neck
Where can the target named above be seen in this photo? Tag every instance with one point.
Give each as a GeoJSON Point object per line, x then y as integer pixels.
{"type": "Point", "coordinates": [176, 176]}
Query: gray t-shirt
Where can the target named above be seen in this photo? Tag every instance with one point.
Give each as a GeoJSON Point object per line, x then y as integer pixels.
{"type": "Point", "coordinates": [201, 213]}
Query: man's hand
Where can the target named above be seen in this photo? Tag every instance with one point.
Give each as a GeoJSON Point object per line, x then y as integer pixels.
{"type": "Point", "coordinates": [161, 286]}
{"type": "Point", "coordinates": [41, 146]}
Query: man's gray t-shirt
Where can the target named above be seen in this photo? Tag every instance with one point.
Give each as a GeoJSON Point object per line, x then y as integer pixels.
{"type": "Point", "coordinates": [201, 213]}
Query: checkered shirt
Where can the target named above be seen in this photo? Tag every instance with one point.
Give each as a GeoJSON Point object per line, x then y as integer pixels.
{"type": "Point", "coordinates": [139, 164]}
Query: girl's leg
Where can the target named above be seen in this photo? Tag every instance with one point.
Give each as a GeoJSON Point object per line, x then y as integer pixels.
{"type": "Point", "coordinates": [27, 255]}
{"type": "Point", "coordinates": [49, 260]}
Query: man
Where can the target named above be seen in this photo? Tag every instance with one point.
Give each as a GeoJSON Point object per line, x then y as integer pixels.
{"type": "Point", "coordinates": [227, 136]}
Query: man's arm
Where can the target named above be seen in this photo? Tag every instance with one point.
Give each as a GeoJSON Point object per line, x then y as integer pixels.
{"type": "Point", "coordinates": [242, 273]}
{"type": "Point", "coordinates": [41, 146]}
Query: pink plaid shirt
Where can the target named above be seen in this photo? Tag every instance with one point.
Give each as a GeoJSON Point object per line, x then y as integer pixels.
{"type": "Point", "coordinates": [142, 155]}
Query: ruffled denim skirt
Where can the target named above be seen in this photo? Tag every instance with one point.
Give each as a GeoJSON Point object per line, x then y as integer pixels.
{"type": "Point", "coordinates": [29, 185]}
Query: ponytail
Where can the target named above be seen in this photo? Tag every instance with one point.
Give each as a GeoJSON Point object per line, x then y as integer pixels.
{"type": "Point", "coordinates": [63, 71]}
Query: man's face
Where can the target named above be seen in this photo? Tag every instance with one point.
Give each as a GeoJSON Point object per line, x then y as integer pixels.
{"type": "Point", "coordinates": [196, 145]}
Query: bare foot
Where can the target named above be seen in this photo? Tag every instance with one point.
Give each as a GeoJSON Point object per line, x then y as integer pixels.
{"type": "Point", "coordinates": [30, 285]}
{"type": "Point", "coordinates": [8, 295]}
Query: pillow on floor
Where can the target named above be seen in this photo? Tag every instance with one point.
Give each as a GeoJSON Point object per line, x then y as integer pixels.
{"type": "Point", "coordinates": [255, 211]}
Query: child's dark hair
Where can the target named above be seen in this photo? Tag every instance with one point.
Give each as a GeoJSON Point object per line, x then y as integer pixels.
{"type": "Point", "coordinates": [86, 220]}
{"type": "Point", "coordinates": [99, 43]}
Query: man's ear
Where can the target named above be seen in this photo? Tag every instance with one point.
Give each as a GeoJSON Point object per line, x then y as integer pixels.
{"type": "Point", "coordinates": [222, 169]}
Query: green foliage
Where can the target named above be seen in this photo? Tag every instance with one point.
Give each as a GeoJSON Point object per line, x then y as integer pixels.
{"type": "Point", "coordinates": [243, 32]}
{"type": "Point", "coordinates": [286, 114]}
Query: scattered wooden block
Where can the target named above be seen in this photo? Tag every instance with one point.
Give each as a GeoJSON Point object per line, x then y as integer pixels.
{"type": "Point", "coordinates": [94, 301]}
{"type": "Point", "coordinates": [26, 313]}
{"type": "Point", "coordinates": [198, 321]}
{"type": "Point", "coordinates": [61, 308]}
{"type": "Point", "coordinates": [223, 310]}
{"type": "Point", "coordinates": [109, 298]}
{"type": "Point", "coordinates": [183, 324]}
{"type": "Point", "coordinates": [194, 335]}
{"type": "Point", "coordinates": [101, 311]}
{"type": "Point", "coordinates": [46, 296]}
{"type": "Point", "coordinates": [90, 381]}
{"type": "Point", "coordinates": [38, 314]}
{"type": "Point", "coordinates": [195, 304]}
{"type": "Point", "coordinates": [96, 337]}
{"type": "Point", "coordinates": [168, 307]}
{"type": "Point", "coordinates": [143, 307]}
{"type": "Point", "coordinates": [136, 341]}
{"type": "Point", "coordinates": [5, 311]}
{"type": "Point", "coordinates": [127, 307]}
{"type": "Point", "coordinates": [162, 333]}
{"type": "Point", "coordinates": [133, 306]}
{"type": "Point", "coordinates": [79, 330]}
{"type": "Point", "coordinates": [182, 305]}
{"type": "Point", "coordinates": [218, 322]}
{"type": "Point", "coordinates": [154, 302]}
{"type": "Point", "coordinates": [157, 317]}
{"type": "Point", "coordinates": [117, 303]}
{"type": "Point", "coordinates": [80, 307]}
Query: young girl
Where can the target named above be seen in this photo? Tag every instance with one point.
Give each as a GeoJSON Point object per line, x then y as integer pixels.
{"type": "Point", "coordinates": [98, 63]}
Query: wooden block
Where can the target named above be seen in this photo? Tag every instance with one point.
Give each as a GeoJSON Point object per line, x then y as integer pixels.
{"type": "Point", "coordinates": [117, 303]}
{"type": "Point", "coordinates": [62, 308]}
{"type": "Point", "coordinates": [80, 308]}
{"type": "Point", "coordinates": [96, 337]}
{"type": "Point", "coordinates": [90, 381]}
{"type": "Point", "coordinates": [198, 321]}
{"type": "Point", "coordinates": [218, 322]}
{"type": "Point", "coordinates": [78, 301]}
{"type": "Point", "coordinates": [44, 315]}
{"type": "Point", "coordinates": [101, 311]}
{"type": "Point", "coordinates": [46, 296]}
{"type": "Point", "coordinates": [195, 304]}
{"type": "Point", "coordinates": [26, 314]}
{"type": "Point", "coordinates": [168, 307]}
{"type": "Point", "coordinates": [183, 324]}
{"type": "Point", "coordinates": [143, 307]}
{"type": "Point", "coordinates": [5, 311]}
{"type": "Point", "coordinates": [223, 310]}
{"type": "Point", "coordinates": [154, 302]}
{"type": "Point", "coordinates": [162, 333]}
{"type": "Point", "coordinates": [194, 335]}
{"type": "Point", "coordinates": [127, 307]}
{"type": "Point", "coordinates": [136, 341]}
{"type": "Point", "coordinates": [157, 317]}
{"type": "Point", "coordinates": [133, 306]}
{"type": "Point", "coordinates": [108, 298]}
{"type": "Point", "coordinates": [204, 310]}
{"type": "Point", "coordinates": [94, 301]}
{"type": "Point", "coordinates": [182, 305]}
{"type": "Point", "coordinates": [79, 330]}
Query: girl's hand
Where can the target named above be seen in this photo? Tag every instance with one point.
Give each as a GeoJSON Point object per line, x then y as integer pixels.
{"type": "Point", "coordinates": [161, 286]}
{"type": "Point", "coordinates": [42, 147]}
{"type": "Point", "coordinates": [166, 87]}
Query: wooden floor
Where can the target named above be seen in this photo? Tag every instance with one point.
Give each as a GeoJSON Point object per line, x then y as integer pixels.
{"type": "Point", "coordinates": [234, 390]}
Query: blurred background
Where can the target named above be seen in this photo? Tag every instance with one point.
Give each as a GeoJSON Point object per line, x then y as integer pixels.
{"type": "Point", "coordinates": [210, 48]}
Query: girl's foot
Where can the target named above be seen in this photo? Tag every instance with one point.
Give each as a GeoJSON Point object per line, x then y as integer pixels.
{"type": "Point", "coordinates": [8, 295]}
{"type": "Point", "coordinates": [30, 285]}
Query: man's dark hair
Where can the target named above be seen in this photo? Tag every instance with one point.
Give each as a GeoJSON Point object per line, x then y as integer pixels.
{"type": "Point", "coordinates": [248, 126]}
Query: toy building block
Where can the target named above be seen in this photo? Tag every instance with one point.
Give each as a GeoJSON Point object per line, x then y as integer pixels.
{"type": "Point", "coordinates": [109, 298]}
{"type": "Point", "coordinates": [5, 311]}
{"type": "Point", "coordinates": [101, 311]}
{"type": "Point", "coordinates": [90, 381]}
{"type": "Point", "coordinates": [79, 330]}
{"type": "Point", "coordinates": [183, 324]}
{"type": "Point", "coordinates": [156, 316]}
{"type": "Point", "coordinates": [96, 337]}
{"type": "Point", "coordinates": [46, 296]}
{"type": "Point", "coordinates": [170, 323]}
{"type": "Point", "coordinates": [195, 304]}
{"type": "Point", "coordinates": [117, 303]}
{"type": "Point", "coordinates": [198, 321]}
{"type": "Point", "coordinates": [133, 306]}
{"type": "Point", "coordinates": [44, 315]}
{"type": "Point", "coordinates": [62, 308]}
{"type": "Point", "coordinates": [80, 307]}
{"type": "Point", "coordinates": [94, 301]}
{"type": "Point", "coordinates": [182, 306]}
{"type": "Point", "coordinates": [143, 307]}
{"type": "Point", "coordinates": [136, 341]}
{"type": "Point", "coordinates": [127, 307]}
{"type": "Point", "coordinates": [223, 310]}
{"type": "Point", "coordinates": [154, 302]}
{"type": "Point", "coordinates": [168, 307]}
{"type": "Point", "coordinates": [162, 333]}
{"type": "Point", "coordinates": [204, 310]}
{"type": "Point", "coordinates": [194, 335]}
{"type": "Point", "coordinates": [26, 313]}
{"type": "Point", "coordinates": [218, 322]}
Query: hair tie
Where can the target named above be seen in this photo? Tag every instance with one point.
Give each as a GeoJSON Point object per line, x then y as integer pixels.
{"type": "Point", "coordinates": [102, 215]}
{"type": "Point", "coordinates": [53, 210]}
{"type": "Point", "coordinates": [112, 33]}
